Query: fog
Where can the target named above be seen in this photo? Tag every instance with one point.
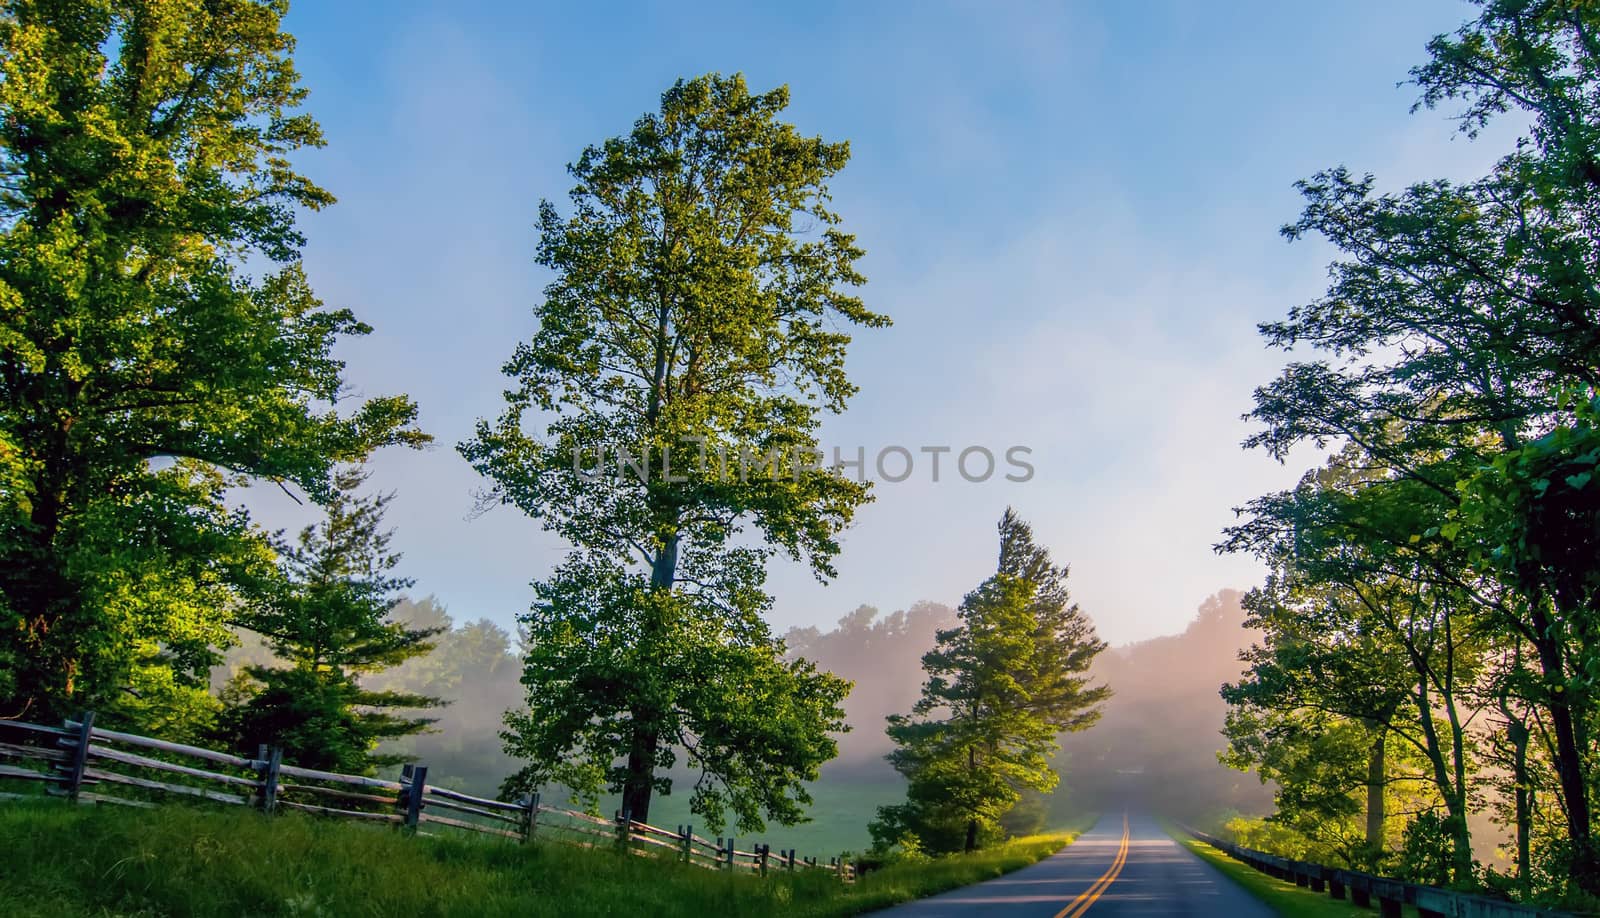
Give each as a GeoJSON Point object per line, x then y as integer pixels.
{"type": "Point", "coordinates": [882, 655]}
{"type": "Point", "coordinates": [1156, 742]}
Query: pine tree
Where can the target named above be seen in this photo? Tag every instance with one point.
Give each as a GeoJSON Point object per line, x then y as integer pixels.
{"type": "Point", "coordinates": [328, 622]}
{"type": "Point", "coordinates": [1002, 686]}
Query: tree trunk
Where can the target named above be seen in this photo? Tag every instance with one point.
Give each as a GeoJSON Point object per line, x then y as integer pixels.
{"type": "Point", "coordinates": [641, 770]}
{"type": "Point", "coordinates": [1518, 733]}
{"type": "Point", "coordinates": [972, 823]}
{"type": "Point", "coordinates": [1584, 867]}
{"type": "Point", "coordinates": [645, 740]}
{"type": "Point", "coordinates": [1454, 795]}
{"type": "Point", "coordinates": [45, 686]}
{"type": "Point", "coordinates": [1461, 832]}
{"type": "Point", "coordinates": [1376, 774]}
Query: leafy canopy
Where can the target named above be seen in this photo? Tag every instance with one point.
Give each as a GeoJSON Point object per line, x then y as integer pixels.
{"type": "Point", "coordinates": [703, 287]}
{"type": "Point", "coordinates": [145, 152]}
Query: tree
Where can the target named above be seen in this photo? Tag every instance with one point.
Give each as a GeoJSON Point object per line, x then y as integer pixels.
{"type": "Point", "coordinates": [328, 620]}
{"type": "Point", "coordinates": [1314, 714]}
{"type": "Point", "coordinates": [696, 326]}
{"type": "Point", "coordinates": [1460, 320]}
{"type": "Point", "coordinates": [1359, 623]}
{"type": "Point", "coordinates": [1002, 686]}
{"type": "Point", "coordinates": [145, 153]}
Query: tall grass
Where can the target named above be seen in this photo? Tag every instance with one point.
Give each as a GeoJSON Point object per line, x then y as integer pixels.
{"type": "Point", "coordinates": [178, 860]}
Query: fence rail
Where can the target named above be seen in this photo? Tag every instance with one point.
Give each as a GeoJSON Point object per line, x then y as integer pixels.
{"type": "Point", "coordinates": [1365, 889]}
{"type": "Point", "coordinates": [87, 764]}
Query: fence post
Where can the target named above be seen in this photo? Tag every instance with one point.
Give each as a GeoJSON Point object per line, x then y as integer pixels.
{"type": "Point", "coordinates": [268, 762]}
{"type": "Point", "coordinates": [624, 828]}
{"type": "Point", "coordinates": [688, 840]}
{"type": "Point", "coordinates": [530, 816]}
{"type": "Point", "coordinates": [1360, 892]}
{"type": "Point", "coordinates": [730, 852]}
{"type": "Point", "coordinates": [764, 851]}
{"type": "Point", "coordinates": [791, 860]}
{"type": "Point", "coordinates": [418, 787]}
{"type": "Point", "coordinates": [80, 755]}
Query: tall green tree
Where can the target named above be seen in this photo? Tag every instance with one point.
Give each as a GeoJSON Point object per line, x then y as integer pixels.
{"type": "Point", "coordinates": [1314, 714]}
{"type": "Point", "coordinates": [697, 326]}
{"type": "Point", "coordinates": [1363, 611]}
{"type": "Point", "coordinates": [144, 148]}
{"type": "Point", "coordinates": [328, 620]}
{"type": "Point", "coordinates": [1459, 320]}
{"type": "Point", "coordinates": [1003, 685]}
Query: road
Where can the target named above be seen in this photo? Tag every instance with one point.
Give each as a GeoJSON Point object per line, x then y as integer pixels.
{"type": "Point", "coordinates": [1126, 866]}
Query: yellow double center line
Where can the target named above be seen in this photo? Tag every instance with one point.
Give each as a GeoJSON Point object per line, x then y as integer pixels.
{"type": "Point", "coordinates": [1092, 894]}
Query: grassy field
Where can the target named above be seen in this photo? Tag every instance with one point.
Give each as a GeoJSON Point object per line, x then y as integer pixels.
{"type": "Point", "coordinates": [1284, 898]}
{"type": "Point", "coordinates": [178, 860]}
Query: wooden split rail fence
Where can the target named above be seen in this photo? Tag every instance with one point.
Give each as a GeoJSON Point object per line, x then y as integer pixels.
{"type": "Point", "coordinates": [1369, 891]}
{"type": "Point", "coordinates": [87, 764]}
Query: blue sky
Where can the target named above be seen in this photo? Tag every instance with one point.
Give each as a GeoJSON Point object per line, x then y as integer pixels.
{"type": "Point", "coordinates": [1070, 211]}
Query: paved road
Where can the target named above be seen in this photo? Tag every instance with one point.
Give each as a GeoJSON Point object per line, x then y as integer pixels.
{"type": "Point", "coordinates": [1125, 867]}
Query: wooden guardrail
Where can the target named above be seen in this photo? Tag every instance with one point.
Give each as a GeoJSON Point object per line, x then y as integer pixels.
{"type": "Point", "coordinates": [88, 764]}
{"type": "Point", "coordinates": [1365, 889]}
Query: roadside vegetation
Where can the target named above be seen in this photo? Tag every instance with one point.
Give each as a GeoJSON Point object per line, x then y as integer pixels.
{"type": "Point", "coordinates": [1284, 898]}
{"type": "Point", "coordinates": [1429, 646]}
{"type": "Point", "coordinates": [180, 860]}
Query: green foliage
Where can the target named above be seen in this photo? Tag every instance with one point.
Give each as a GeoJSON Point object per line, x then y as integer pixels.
{"type": "Point", "coordinates": [1425, 852]}
{"type": "Point", "coordinates": [1368, 658]}
{"type": "Point", "coordinates": [1537, 508]}
{"type": "Point", "coordinates": [182, 861]}
{"type": "Point", "coordinates": [702, 285]}
{"type": "Point", "coordinates": [146, 150]}
{"type": "Point", "coordinates": [1002, 686]}
{"type": "Point", "coordinates": [1454, 358]}
{"type": "Point", "coordinates": [328, 620]}
{"type": "Point", "coordinates": [1277, 836]}
{"type": "Point", "coordinates": [601, 641]}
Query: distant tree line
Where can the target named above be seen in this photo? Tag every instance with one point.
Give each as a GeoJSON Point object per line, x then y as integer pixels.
{"type": "Point", "coordinates": [1431, 616]}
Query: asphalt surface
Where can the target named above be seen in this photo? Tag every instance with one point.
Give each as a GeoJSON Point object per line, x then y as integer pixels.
{"type": "Point", "coordinates": [1125, 866]}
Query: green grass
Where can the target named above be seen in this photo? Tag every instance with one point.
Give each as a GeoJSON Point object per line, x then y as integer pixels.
{"type": "Point", "coordinates": [1284, 898]}
{"type": "Point", "coordinates": [179, 860]}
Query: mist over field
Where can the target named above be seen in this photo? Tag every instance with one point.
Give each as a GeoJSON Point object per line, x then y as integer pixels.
{"type": "Point", "coordinates": [1155, 744]}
